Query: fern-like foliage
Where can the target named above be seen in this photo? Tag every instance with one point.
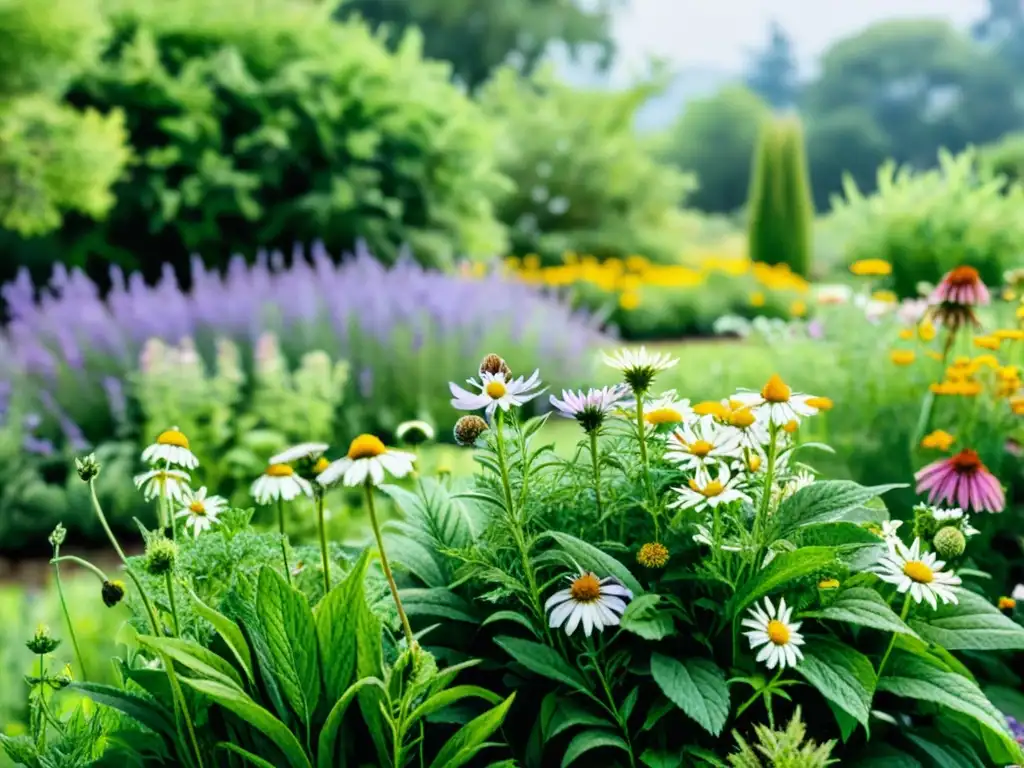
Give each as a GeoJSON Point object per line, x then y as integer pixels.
{"type": "Point", "coordinates": [782, 749]}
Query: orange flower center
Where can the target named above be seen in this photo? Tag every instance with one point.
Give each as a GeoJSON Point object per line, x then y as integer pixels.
{"type": "Point", "coordinates": [821, 403]}
{"type": "Point", "coordinates": [197, 508]}
{"type": "Point", "coordinates": [173, 437]}
{"type": "Point", "coordinates": [963, 276]}
{"type": "Point", "coordinates": [966, 462]}
{"type": "Point", "coordinates": [586, 589]}
{"type": "Point", "coordinates": [700, 448]}
{"type": "Point", "coordinates": [919, 572]}
{"type": "Point", "coordinates": [367, 446]}
{"type": "Point", "coordinates": [778, 632]}
{"type": "Point", "coordinates": [279, 470]}
{"type": "Point", "coordinates": [495, 390]}
{"type": "Point", "coordinates": [663, 416]}
{"type": "Point", "coordinates": [776, 390]}
{"type": "Point", "coordinates": [791, 426]}
{"type": "Point", "coordinates": [742, 418]}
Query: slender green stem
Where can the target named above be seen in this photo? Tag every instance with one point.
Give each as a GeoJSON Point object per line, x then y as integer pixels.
{"type": "Point", "coordinates": [613, 709]}
{"type": "Point", "coordinates": [766, 495]}
{"type": "Point", "coordinates": [42, 697]}
{"type": "Point", "coordinates": [406, 627]}
{"type": "Point", "coordinates": [174, 604]}
{"type": "Point", "coordinates": [892, 642]}
{"type": "Point", "coordinates": [595, 461]}
{"type": "Point", "coordinates": [641, 437]}
{"type": "Point", "coordinates": [80, 562]}
{"type": "Point", "coordinates": [325, 560]}
{"type": "Point", "coordinates": [284, 539]}
{"type": "Point", "coordinates": [67, 614]}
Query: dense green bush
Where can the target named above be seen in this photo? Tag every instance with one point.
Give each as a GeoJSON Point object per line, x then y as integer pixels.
{"type": "Point", "coordinates": [926, 223]}
{"type": "Point", "coordinates": [1005, 157]}
{"type": "Point", "coordinates": [781, 210]}
{"type": "Point", "coordinates": [584, 180]}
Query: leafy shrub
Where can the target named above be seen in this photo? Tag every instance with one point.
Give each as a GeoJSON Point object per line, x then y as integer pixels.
{"type": "Point", "coordinates": [584, 181]}
{"type": "Point", "coordinates": [781, 210]}
{"type": "Point", "coordinates": [1004, 157]}
{"type": "Point", "coordinates": [926, 223]}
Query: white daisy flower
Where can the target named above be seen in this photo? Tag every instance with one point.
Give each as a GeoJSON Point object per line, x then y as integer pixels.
{"type": "Point", "coordinates": [589, 408]}
{"type": "Point", "coordinates": [942, 515]}
{"type": "Point", "coordinates": [917, 572]}
{"type": "Point", "coordinates": [367, 460]}
{"type": "Point", "coordinates": [797, 482]}
{"type": "Point", "coordinates": [707, 493]}
{"type": "Point", "coordinates": [702, 444]}
{"type": "Point", "coordinates": [496, 390]}
{"type": "Point", "coordinates": [781, 403]}
{"type": "Point", "coordinates": [310, 451]}
{"type": "Point", "coordinates": [172, 483]}
{"type": "Point", "coordinates": [171, 449]}
{"type": "Point", "coordinates": [776, 632]}
{"type": "Point", "coordinates": [1018, 592]}
{"type": "Point", "coordinates": [667, 409]}
{"type": "Point", "coordinates": [414, 432]}
{"type": "Point", "coordinates": [594, 603]}
{"type": "Point", "coordinates": [638, 366]}
{"type": "Point", "coordinates": [279, 482]}
{"type": "Point", "coordinates": [200, 511]}
{"type": "Point", "coordinates": [751, 431]}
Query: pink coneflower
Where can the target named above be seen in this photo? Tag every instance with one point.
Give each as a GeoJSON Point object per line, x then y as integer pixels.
{"type": "Point", "coordinates": [589, 408]}
{"type": "Point", "coordinates": [961, 285]}
{"type": "Point", "coordinates": [962, 480]}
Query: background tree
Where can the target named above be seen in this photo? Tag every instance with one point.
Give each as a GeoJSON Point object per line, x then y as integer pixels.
{"type": "Point", "coordinates": [478, 37]}
{"type": "Point", "coordinates": [773, 70]}
{"type": "Point", "coordinates": [715, 137]}
{"type": "Point", "coordinates": [1002, 28]}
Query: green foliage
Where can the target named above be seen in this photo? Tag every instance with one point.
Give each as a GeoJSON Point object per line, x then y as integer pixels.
{"type": "Point", "coordinates": [926, 223]}
{"type": "Point", "coordinates": [584, 181]}
{"type": "Point", "coordinates": [782, 749]}
{"type": "Point", "coordinates": [1004, 157]}
{"type": "Point", "coordinates": [729, 121]}
{"type": "Point", "coordinates": [781, 211]}
{"type": "Point", "coordinates": [773, 70]}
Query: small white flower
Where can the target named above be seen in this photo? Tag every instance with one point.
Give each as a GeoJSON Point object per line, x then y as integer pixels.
{"type": "Point", "coordinates": [776, 632]}
{"type": "Point", "coordinates": [311, 451]}
{"type": "Point", "coordinates": [367, 461]}
{"type": "Point", "coordinates": [589, 408]}
{"type": "Point", "coordinates": [667, 409]}
{"type": "Point", "coordinates": [702, 444]}
{"type": "Point", "coordinates": [918, 572]}
{"type": "Point", "coordinates": [1018, 592]}
{"type": "Point", "coordinates": [594, 603]}
{"type": "Point", "coordinates": [170, 483]}
{"type": "Point", "coordinates": [279, 482]}
{"type": "Point", "coordinates": [781, 403]}
{"type": "Point", "coordinates": [704, 492]}
{"type": "Point", "coordinates": [638, 366]}
{"type": "Point", "coordinates": [414, 432]}
{"type": "Point", "coordinates": [941, 515]}
{"type": "Point", "coordinates": [170, 449]}
{"type": "Point", "coordinates": [201, 511]}
{"type": "Point", "coordinates": [890, 529]}
{"type": "Point", "coordinates": [495, 391]}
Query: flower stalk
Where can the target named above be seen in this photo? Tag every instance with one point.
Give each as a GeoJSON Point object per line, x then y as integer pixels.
{"type": "Point", "coordinates": [410, 639]}
{"type": "Point", "coordinates": [284, 539]}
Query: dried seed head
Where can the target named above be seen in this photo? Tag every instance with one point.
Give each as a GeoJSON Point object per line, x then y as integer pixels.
{"type": "Point", "coordinates": [493, 363]}
{"type": "Point", "coordinates": [468, 429]}
{"type": "Point", "coordinates": [653, 555]}
{"type": "Point", "coordinates": [949, 542]}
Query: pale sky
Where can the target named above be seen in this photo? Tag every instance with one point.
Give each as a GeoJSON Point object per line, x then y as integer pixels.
{"type": "Point", "coordinates": [717, 33]}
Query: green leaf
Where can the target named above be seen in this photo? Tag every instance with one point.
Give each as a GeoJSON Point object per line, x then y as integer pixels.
{"type": "Point", "coordinates": [943, 755]}
{"type": "Point", "coordinates": [643, 618]}
{"type": "Point", "coordinates": [864, 607]}
{"type": "Point", "coordinates": [291, 635]}
{"type": "Point", "coordinates": [518, 618]}
{"type": "Point", "coordinates": [913, 677]}
{"type": "Point", "coordinates": [584, 741]}
{"type": "Point", "coordinates": [661, 759]}
{"type": "Point", "coordinates": [568, 714]}
{"type": "Point", "coordinates": [254, 759]}
{"type": "Point", "coordinates": [972, 624]}
{"type": "Point", "coordinates": [193, 656]}
{"type": "Point", "coordinates": [833, 535]}
{"type": "Point", "coordinates": [842, 675]}
{"type": "Point", "coordinates": [141, 708]}
{"type": "Point", "coordinates": [438, 601]}
{"type": "Point", "coordinates": [472, 737]}
{"type": "Point", "coordinates": [593, 559]}
{"type": "Point", "coordinates": [230, 633]}
{"type": "Point", "coordinates": [252, 713]}
{"type": "Point", "coordinates": [544, 661]}
{"type": "Point", "coordinates": [787, 567]}
{"type": "Point", "coordinates": [336, 617]}
{"type": "Point", "coordinates": [327, 744]}
{"type": "Point", "coordinates": [827, 501]}
{"type": "Point", "coordinates": [697, 686]}
{"type": "Point", "coordinates": [447, 697]}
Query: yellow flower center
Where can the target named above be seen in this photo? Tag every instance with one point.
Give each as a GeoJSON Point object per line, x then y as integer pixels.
{"type": "Point", "coordinates": [173, 437]}
{"type": "Point", "coordinates": [711, 408]}
{"type": "Point", "coordinates": [367, 446]}
{"type": "Point", "coordinates": [495, 390]}
{"type": "Point", "coordinates": [321, 464]}
{"type": "Point", "coordinates": [776, 390]}
{"type": "Point", "coordinates": [279, 470]}
{"type": "Point", "coordinates": [197, 508]}
{"type": "Point", "coordinates": [712, 488]}
{"type": "Point", "coordinates": [663, 416]}
{"type": "Point", "coordinates": [585, 589]}
{"type": "Point", "coordinates": [700, 448]}
{"type": "Point", "coordinates": [742, 418]}
{"type": "Point", "coordinates": [791, 426]}
{"type": "Point", "coordinates": [919, 572]}
{"type": "Point", "coordinates": [778, 632]}
{"type": "Point", "coordinates": [754, 462]}
{"type": "Point", "coordinates": [828, 584]}
{"type": "Point", "coordinates": [653, 555]}
{"type": "Point", "coordinates": [821, 403]}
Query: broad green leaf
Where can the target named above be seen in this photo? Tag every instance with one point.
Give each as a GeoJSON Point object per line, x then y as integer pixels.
{"type": "Point", "coordinates": [236, 701]}
{"type": "Point", "coordinates": [327, 744]}
{"type": "Point", "coordinates": [254, 759]}
{"type": "Point", "coordinates": [864, 607]}
{"type": "Point", "coordinates": [827, 501]}
{"type": "Point", "coordinates": [593, 559]}
{"type": "Point", "coordinates": [568, 714]}
{"type": "Point", "coordinates": [370, 664]}
{"type": "Point", "coordinates": [437, 601]}
{"type": "Point", "coordinates": [449, 696]}
{"type": "Point", "coordinates": [944, 755]}
{"type": "Point", "coordinates": [336, 616]}
{"type": "Point", "coordinates": [518, 618]}
{"type": "Point", "coordinates": [697, 686]}
{"type": "Point", "coordinates": [241, 603]}
{"type": "Point", "coordinates": [544, 661]}
{"type": "Point", "coordinates": [643, 618]}
{"type": "Point", "coordinates": [661, 759]}
{"type": "Point", "coordinates": [414, 557]}
{"type": "Point", "coordinates": [193, 656]}
{"type": "Point", "coordinates": [229, 632]}
{"type": "Point", "coordinates": [913, 677]}
{"type": "Point", "coordinates": [291, 634]}
{"type": "Point", "coordinates": [137, 706]}
{"type": "Point", "coordinates": [842, 675]}
{"type": "Point", "coordinates": [472, 737]}
{"type": "Point", "coordinates": [833, 535]}
{"type": "Point", "coordinates": [785, 568]}
{"type": "Point", "coordinates": [584, 741]}
{"type": "Point", "coordinates": [972, 624]}
{"type": "Point", "coordinates": [847, 724]}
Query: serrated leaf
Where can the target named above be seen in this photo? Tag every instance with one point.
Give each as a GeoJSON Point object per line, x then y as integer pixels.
{"type": "Point", "coordinates": [864, 607]}
{"type": "Point", "coordinates": [230, 633]}
{"type": "Point", "coordinates": [585, 741]}
{"type": "Point", "coordinates": [194, 657]}
{"type": "Point", "coordinates": [785, 568]}
{"type": "Point", "coordinates": [543, 660]}
{"type": "Point", "coordinates": [826, 501]}
{"type": "Point", "coordinates": [593, 559]}
{"type": "Point", "coordinates": [642, 617]}
{"type": "Point", "coordinates": [971, 624]}
{"type": "Point", "coordinates": [336, 617]}
{"type": "Point", "coordinates": [697, 686]}
{"type": "Point", "coordinates": [842, 675]}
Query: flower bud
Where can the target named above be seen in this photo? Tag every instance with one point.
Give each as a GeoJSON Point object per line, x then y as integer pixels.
{"type": "Point", "coordinates": [41, 642]}
{"type": "Point", "coordinates": [160, 556]}
{"type": "Point", "coordinates": [468, 429]}
{"type": "Point", "coordinates": [414, 432]}
{"type": "Point", "coordinates": [949, 542]}
{"type": "Point", "coordinates": [88, 468]}
{"type": "Point", "coordinates": [113, 593]}
{"type": "Point", "coordinates": [58, 535]}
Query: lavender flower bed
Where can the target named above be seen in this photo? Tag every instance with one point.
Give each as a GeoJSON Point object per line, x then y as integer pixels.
{"type": "Point", "coordinates": [405, 330]}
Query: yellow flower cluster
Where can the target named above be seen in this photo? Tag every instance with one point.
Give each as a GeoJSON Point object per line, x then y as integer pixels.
{"type": "Point", "coordinates": [968, 377]}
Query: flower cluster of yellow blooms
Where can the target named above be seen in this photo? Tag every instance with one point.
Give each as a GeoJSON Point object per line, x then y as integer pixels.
{"type": "Point", "coordinates": [627, 277]}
